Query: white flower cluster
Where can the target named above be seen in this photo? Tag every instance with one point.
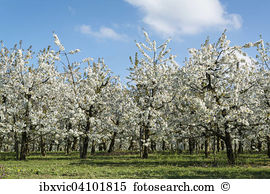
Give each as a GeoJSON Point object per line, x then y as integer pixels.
{"type": "Point", "coordinates": [220, 91]}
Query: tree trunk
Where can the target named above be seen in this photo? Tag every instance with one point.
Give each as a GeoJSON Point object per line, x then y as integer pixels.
{"type": "Point", "coordinates": [1, 142]}
{"type": "Point", "coordinates": [51, 147]}
{"type": "Point", "coordinates": [16, 147]}
{"type": "Point", "coordinates": [218, 144]}
{"type": "Point", "coordinates": [85, 141]}
{"type": "Point", "coordinates": [222, 145]}
{"type": "Point", "coordinates": [68, 146]}
{"type": "Point", "coordinates": [240, 147]}
{"type": "Point", "coordinates": [229, 148]}
{"type": "Point", "coordinates": [111, 147]}
{"type": "Point", "coordinates": [120, 145]}
{"type": "Point", "coordinates": [259, 145]}
{"type": "Point", "coordinates": [206, 146]}
{"type": "Point", "coordinates": [93, 147]}
{"type": "Point", "coordinates": [214, 145]}
{"type": "Point", "coordinates": [84, 147]}
{"type": "Point", "coordinates": [235, 147]}
{"type": "Point", "coordinates": [104, 145]}
{"type": "Point", "coordinates": [268, 145]}
{"type": "Point", "coordinates": [24, 142]}
{"type": "Point", "coordinates": [172, 148]}
{"type": "Point", "coordinates": [163, 145]}
{"type": "Point", "coordinates": [153, 146]}
{"type": "Point", "coordinates": [42, 146]}
{"type": "Point", "coordinates": [197, 147]}
{"type": "Point", "coordinates": [141, 141]}
{"type": "Point", "coordinates": [58, 147]}
{"type": "Point", "coordinates": [252, 145]}
{"type": "Point", "coordinates": [33, 146]}
{"type": "Point", "coordinates": [240, 143]}
{"type": "Point", "coordinates": [74, 144]}
{"type": "Point", "coordinates": [179, 146]}
{"type": "Point", "coordinates": [145, 147]}
{"type": "Point", "coordinates": [191, 144]}
{"type": "Point", "coordinates": [131, 145]}
{"type": "Point", "coordinates": [68, 141]}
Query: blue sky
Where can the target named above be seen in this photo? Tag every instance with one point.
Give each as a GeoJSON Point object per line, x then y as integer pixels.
{"type": "Point", "coordinates": [108, 28]}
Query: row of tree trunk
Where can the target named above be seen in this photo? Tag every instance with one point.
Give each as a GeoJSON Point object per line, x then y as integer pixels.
{"type": "Point", "coordinates": [21, 145]}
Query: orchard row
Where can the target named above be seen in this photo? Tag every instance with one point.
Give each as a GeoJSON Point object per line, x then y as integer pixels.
{"type": "Point", "coordinates": [219, 97]}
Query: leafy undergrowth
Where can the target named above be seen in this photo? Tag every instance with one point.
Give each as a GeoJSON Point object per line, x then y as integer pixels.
{"type": "Point", "coordinates": [124, 165]}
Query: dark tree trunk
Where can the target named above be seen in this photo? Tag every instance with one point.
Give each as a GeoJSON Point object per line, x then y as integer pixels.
{"type": "Point", "coordinates": [197, 147]}
{"type": "Point", "coordinates": [84, 147]}
{"type": "Point", "coordinates": [120, 145]}
{"type": "Point", "coordinates": [222, 145]}
{"type": "Point", "coordinates": [145, 147]}
{"type": "Point", "coordinates": [131, 145]}
{"type": "Point", "coordinates": [240, 143]}
{"type": "Point", "coordinates": [68, 146]}
{"type": "Point", "coordinates": [172, 148]}
{"type": "Point", "coordinates": [191, 145]}
{"type": "Point", "coordinates": [74, 144]}
{"type": "Point", "coordinates": [153, 146]}
{"type": "Point", "coordinates": [229, 148]}
{"type": "Point", "coordinates": [1, 142]}
{"type": "Point", "coordinates": [235, 147]}
{"type": "Point", "coordinates": [42, 146]}
{"type": "Point", "coordinates": [100, 147]}
{"type": "Point", "coordinates": [33, 146]}
{"type": "Point", "coordinates": [259, 145]}
{"type": "Point", "coordinates": [268, 145]}
{"type": "Point", "coordinates": [218, 144]}
{"type": "Point", "coordinates": [252, 145]}
{"type": "Point", "coordinates": [93, 147]}
{"type": "Point", "coordinates": [85, 141]}
{"type": "Point", "coordinates": [206, 147]}
{"type": "Point", "coordinates": [68, 141]}
{"type": "Point", "coordinates": [141, 141]}
{"type": "Point", "coordinates": [24, 142]}
{"type": "Point", "coordinates": [202, 147]}
{"type": "Point", "coordinates": [104, 145]}
{"type": "Point", "coordinates": [240, 147]}
{"type": "Point", "coordinates": [16, 147]}
{"type": "Point", "coordinates": [111, 146]}
{"type": "Point", "coordinates": [163, 145]}
{"type": "Point", "coordinates": [51, 147]}
{"type": "Point", "coordinates": [27, 145]}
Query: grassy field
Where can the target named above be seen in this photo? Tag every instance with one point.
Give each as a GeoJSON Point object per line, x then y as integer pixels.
{"type": "Point", "coordinates": [127, 165]}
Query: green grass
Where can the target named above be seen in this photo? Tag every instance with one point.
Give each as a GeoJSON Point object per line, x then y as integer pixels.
{"type": "Point", "coordinates": [125, 165]}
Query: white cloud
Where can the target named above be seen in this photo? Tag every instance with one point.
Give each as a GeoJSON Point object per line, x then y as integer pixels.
{"type": "Point", "coordinates": [103, 32]}
{"type": "Point", "coordinates": [174, 17]}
